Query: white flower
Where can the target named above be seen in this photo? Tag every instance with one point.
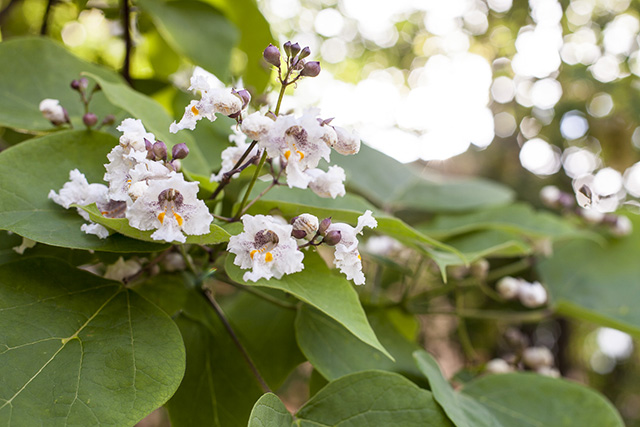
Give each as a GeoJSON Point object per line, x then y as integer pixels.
{"type": "Point", "coordinates": [306, 225]}
{"type": "Point", "coordinates": [230, 157]}
{"type": "Point", "coordinates": [26, 244]}
{"type": "Point", "coordinates": [382, 245]}
{"type": "Point", "coordinates": [548, 372]}
{"type": "Point", "coordinates": [133, 136]}
{"type": "Point", "coordinates": [327, 184]}
{"type": "Point", "coordinates": [622, 227]}
{"type": "Point", "coordinates": [347, 257]}
{"type": "Point", "coordinates": [537, 357]}
{"type": "Point", "coordinates": [174, 262]}
{"type": "Point", "coordinates": [347, 142]}
{"type": "Point", "coordinates": [257, 126]}
{"type": "Point", "coordinates": [95, 229]}
{"type": "Point", "coordinates": [509, 287]}
{"type": "Point", "coordinates": [498, 366]}
{"type": "Point", "coordinates": [301, 141]}
{"type": "Point", "coordinates": [78, 191]}
{"type": "Point", "coordinates": [122, 269]}
{"type": "Point", "coordinates": [53, 111]}
{"type": "Point", "coordinates": [590, 215]}
{"type": "Point", "coordinates": [550, 195]}
{"type": "Point", "coordinates": [266, 247]}
{"type": "Point", "coordinates": [171, 207]}
{"type": "Point", "coordinates": [532, 294]}
{"type": "Point", "coordinates": [214, 99]}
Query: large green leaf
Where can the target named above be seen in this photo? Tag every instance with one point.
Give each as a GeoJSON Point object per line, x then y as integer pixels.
{"type": "Point", "coordinates": [372, 398]}
{"type": "Point", "coordinates": [393, 185]}
{"type": "Point", "coordinates": [155, 119]}
{"type": "Point", "coordinates": [70, 256]}
{"type": "Point", "coordinates": [596, 282]}
{"type": "Point", "coordinates": [519, 399]}
{"type": "Point", "coordinates": [29, 170]}
{"type": "Point", "coordinates": [121, 225]}
{"type": "Point", "coordinates": [33, 69]}
{"type": "Point", "coordinates": [269, 411]}
{"type": "Point", "coordinates": [80, 349]}
{"type": "Point", "coordinates": [197, 30]}
{"type": "Point", "coordinates": [318, 286]}
{"type": "Point", "coordinates": [334, 352]}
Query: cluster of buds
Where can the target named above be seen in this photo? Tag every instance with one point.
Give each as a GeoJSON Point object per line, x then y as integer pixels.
{"type": "Point", "coordinates": [534, 358]}
{"type": "Point", "coordinates": [58, 116]}
{"type": "Point", "coordinates": [531, 295]}
{"type": "Point", "coordinates": [308, 227]}
{"type": "Point", "coordinates": [157, 151]}
{"type": "Point", "coordinates": [553, 197]}
{"type": "Point", "coordinates": [478, 270]}
{"type": "Point", "coordinates": [295, 60]}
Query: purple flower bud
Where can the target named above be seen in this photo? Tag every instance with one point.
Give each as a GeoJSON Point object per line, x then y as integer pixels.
{"type": "Point", "coordinates": [245, 96]}
{"type": "Point", "coordinates": [179, 151]}
{"type": "Point", "coordinates": [287, 48]}
{"type": "Point", "coordinates": [311, 69]}
{"type": "Point", "coordinates": [332, 238]}
{"type": "Point", "coordinates": [160, 150]}
{"type": "Point", "coordinates": [272, 55]}
{"type": "Point", "coordinates": [304, 52]}
{"type": "Point", "coordinates": [148, 145]}
{"type": "Point", "coordinates": [109, 119]}
{"type": "Point", "coordinates": [89, 120]}
{"type": "Point", "coordinates": [75, 84]}
{"type": "Point", "coordinates": [295, 48]}
{"type": "Point", "coordinates": [299, 234]}
{"type": "Point", "coordinates": [324, 224]}
{"type": "Point", "coordinates": [83, 83]}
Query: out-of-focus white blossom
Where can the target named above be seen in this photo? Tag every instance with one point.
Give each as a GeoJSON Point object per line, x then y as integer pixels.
{"type": "Point", "coordinates": [532, 294]}
{"type": "Point", "coordinates": [537, 357]}
{"type": "Point", "coordinates": [508, 287]}
{"type": "Point", "coordinates": [53, 111]}
{"type": "Point", "coordinates": [622, 227]}
{"type": "Point", "coordinates": [498, 366]}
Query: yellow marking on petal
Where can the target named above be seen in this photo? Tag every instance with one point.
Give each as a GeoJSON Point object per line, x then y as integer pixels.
{"type": "Point", "coordinates": [194, 110]}
{"type": "Point", "coordinates": [268, 257]}
{"type": "Point", "coordinates": [178, 218]}
{"type": "Point", "coordinates": [252, 253]}
{"type": "Point", "coordinates": [301, 154]}
{"type": "Point", "coordinates": [104, 213]}
{"type": "Point", "coordinates": [161, 217]}
{"type": "Point", "coordinates": [287, 154]}
{"type": "Point", "coordinates": [128, 181]}
{"type": "Point", "coordinates": [359, 257]}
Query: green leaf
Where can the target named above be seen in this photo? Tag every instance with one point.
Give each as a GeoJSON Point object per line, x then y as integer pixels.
{"type": "Point", "coordinates": [31, 169]}
{"type": "Point", "coordinates": [490, 243]}
{"type": "Point", "coordinates": [334, 352]}
{"type": "Point", "coordinates": [516, 218]}
{"type": "Point", "coordinates": [372, 398]}
{"type": "Point", "coordinates": [394, 186]}
{"type": "Point", "coordinates": [269, 411]}
{"type": "Point", "coordinates": [155, 119]}
{"type": "Point", "coordinates": [70, 256]}
{"type": "Point", "coordinates": [197, 30]}
{"type": "Point", "coordinates": [319, 287]}
{"type": "Point", "coordinates": [121, 225]}
{"type": "Point", "coordinates": [81, 349]}
{"type": "Point", "coordinates": [598, 283]}
{"type": "Point", "coordinates": [33, 69]}
{"type": "Point", "coordinates": [519, 399]}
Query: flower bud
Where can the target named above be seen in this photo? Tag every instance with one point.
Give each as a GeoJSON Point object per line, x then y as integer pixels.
{"type": "Point", "coordinates": [532, 294]}
{"type": "Point", "coordinates": [516, 339]}
{"type": "Point", "coordinates": [311, 69]}
{"type": "Point", "coordinates": [295, 48]}
{"type": "Point", "coordinates": [480, 268]}
{"type": "Point", "coordinates": [179, 151]}
{"type": "Point", "coordinates": [498, 366]}
{"type": "Point", "coordinates": [148, 145]}
{"type": "Point", "coordinates": [306, 223]}
{"type": "Point", "coordinates": [245, 96]}
{"type": "Point", "coordinates": [84, 83]}
{"type": "Point", "coordinates": [272, 55]}
{"type": "Point", "coordinates": [550, 196]}
{"type": "Point", "coordinates": [537, 357]}
{"type": "Point", "coordinates": [109, 119]}
{"type": "Point", "coordinates": [332, 238]}
{"type": "Point", "coordinates": [89, 120]}
{"type": "Point", "coordinates": [287, 48]}
{"type": "Point", "coordinates": [75, 84]}
{"type": "Point", "coordinates": [299, 234]}
{"type": "Point", "coordinates": [508, 287]}
{"type": "Point", "coordinates": [324, 225]}
{"type": "Point", "coordinates": [548, 372]}
{"type": "Point", "coordinates": [54, 112]}
{"type": "Point", "coordinates": [304, 52]}
{"type": "Point", "coordinates": [622, 227]}
{"type": "Point", "coordinates": [160, 150]}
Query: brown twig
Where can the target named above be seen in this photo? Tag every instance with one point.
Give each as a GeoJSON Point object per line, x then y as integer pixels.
{"type": "Point", "coordinates": [126, 26]}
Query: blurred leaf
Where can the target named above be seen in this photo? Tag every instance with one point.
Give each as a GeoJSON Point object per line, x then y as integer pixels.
{"type": "Point", "coordinates": [197, 30]}
{"type": "Point", "coordinates": [490, 243]}
{"type": "Point", "coordinates": [269, 411]}
{"type": "Point", "coordinates": [31, 169]}
{"type": "Point", "coordinates": [318, 286]}
{"type": "Point", "coordinates": [70, 256]}
{"type": "Point", "coordinates": [121, 225]}
{"type": "Point", "coordinates": [155, 119]}
{"type": "Point", "coordinates": [33, 69]}
{"type": "Point", "coordinates": [519, 399]}
{"type": "Point", "coordinates": [595, 282]}
{"type": "Point", "coordinates": [72, 338]}
{"type": "Point", "coordinates": [334, 352]}
{"type": "Point", "coordinates": [393, 185]}
{"type": "Point", "coordinates": [372, 398]}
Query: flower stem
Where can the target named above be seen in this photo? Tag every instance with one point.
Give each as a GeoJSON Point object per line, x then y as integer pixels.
{"type": "Point", "coordinates": [463, 333]}
{"type": "Point", "coordinates": [251, 184]}
{"type": "Point", "coordinates": [45, 18]}
{"type": "Point", "coordinates": [126, 25]}
{"type": "Point", "coordinates": [238, 167]}
{"type": "Point", "coordinates": [207, 293]}
{"type": "Point", "coordinates": [264, 296]}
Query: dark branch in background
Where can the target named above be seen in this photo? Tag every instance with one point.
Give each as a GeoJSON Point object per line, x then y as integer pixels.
{"type": "Point", "coordinates": [5, 12]}
{"type": "Point", "coordinates": [126, 26]}
{"type": "Point", "coordinates": [237, 168]}
{"type": "Point", "coordinates": [45, 18]}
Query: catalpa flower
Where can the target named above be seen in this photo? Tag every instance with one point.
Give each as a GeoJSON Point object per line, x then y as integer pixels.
{"type": "Point", "coordinates": [231, 155]}
{"type": "Point", "coordinates": [327, 184]}
{"type": "Point", "coordinates": [215, 98]}
{"type": "Point", "coordinates": [170, 206]}
{"type": "Point", "coordinates": [266, 247]}
{"type": "Point", "coordinates": [53, 111]}
{"type": "Point", "coordinates": [347, 257]}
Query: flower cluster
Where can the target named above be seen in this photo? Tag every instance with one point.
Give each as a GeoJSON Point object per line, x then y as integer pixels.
{"type": "Point", "coordinates": [269, 246]}
{"type": "Point", "coordinates": [530, 294]}
{"type": "Point", "coordinates": [535, 358]}
{"type": "Point", "coordinates": [144, 186]}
